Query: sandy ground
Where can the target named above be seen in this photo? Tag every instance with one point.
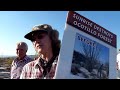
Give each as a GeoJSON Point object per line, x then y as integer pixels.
{"type": "Point", "coordinates": [4, 73]}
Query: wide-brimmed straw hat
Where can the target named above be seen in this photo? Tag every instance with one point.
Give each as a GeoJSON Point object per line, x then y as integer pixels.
{"type": "Point", "coordinates": [38, 29]}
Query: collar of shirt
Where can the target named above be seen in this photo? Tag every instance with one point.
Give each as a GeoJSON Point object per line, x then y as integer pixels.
{"type": "Point", "coordinates": [23, 60]}
{"type": "Point", "coordinates": [40, 62]}
{"type": "Point", "coordinates": [37, 63]}
{"type": "Point", "coordinates": [17, 59]}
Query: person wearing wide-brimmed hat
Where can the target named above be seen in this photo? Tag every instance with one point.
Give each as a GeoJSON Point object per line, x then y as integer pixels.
{"type": "Point", "coordinates": [46, 42]}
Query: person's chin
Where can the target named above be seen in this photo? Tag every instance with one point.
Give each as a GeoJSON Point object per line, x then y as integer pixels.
{"type": "Point", "coordinates": [39, 51]}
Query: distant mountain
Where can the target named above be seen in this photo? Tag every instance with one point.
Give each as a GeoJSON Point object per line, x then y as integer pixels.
{"type": "Point", "coordinates": [13, 56]}
{"type": "Point", "coordinates": [32, 56]}
{"type": "Point", "coordinates": [3, 56]}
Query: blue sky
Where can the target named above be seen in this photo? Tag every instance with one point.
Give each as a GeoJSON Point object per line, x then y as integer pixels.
{"type": "Point", "coordinates": [15, 24]}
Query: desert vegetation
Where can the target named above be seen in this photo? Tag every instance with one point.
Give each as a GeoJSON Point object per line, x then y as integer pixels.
{"type": "Point", "coordinates": [5, 66]}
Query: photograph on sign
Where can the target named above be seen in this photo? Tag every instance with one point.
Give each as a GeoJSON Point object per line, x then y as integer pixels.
{"type": "Point", "coordinates": [90, 59]}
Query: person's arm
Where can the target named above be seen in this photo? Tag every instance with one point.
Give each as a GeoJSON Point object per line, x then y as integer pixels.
{"type": "Point", "coordinates": [23, 73]}
{"type": "Point", "coordinates": [11, 75]}
{"type": "Point", "coordinates": [117, 66]}
{"type": "Point", "coordinates": [117, 61]}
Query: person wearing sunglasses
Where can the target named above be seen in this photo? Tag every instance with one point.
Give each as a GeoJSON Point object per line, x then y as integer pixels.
{"type": "Point", "coordinates": [46, 43]}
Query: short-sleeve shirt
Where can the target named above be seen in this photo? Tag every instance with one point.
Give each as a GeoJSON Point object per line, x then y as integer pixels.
{"type": "Point", "coordinates": [17, 65]}
{"type": "Point", "coordinates": [34, 70]}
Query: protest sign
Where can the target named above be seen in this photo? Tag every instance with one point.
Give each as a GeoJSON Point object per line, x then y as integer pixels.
{"type": "Point", "coordinates": [88, 50]}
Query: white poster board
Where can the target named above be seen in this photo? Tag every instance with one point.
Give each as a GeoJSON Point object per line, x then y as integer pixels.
{"type": "Point", "coordinates": [88, 50]}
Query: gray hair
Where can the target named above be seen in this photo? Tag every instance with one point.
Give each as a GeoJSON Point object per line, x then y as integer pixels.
{"type": "Point", "coordinates": [23, 44]}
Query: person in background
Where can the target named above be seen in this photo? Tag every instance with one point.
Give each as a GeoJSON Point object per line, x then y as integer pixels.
{"type": "Point", "coordinates": [46, 42]}
{"type": "Point", "coordinates": [118, 65]}
{"type": "Point", "coordinates": [20, 60]}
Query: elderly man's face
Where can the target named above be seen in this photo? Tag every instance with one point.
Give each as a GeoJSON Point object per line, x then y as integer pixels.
{"type": "Point", "coordinates": [42, 43]}
{"type": "Point", "coordinates": [20, 51]}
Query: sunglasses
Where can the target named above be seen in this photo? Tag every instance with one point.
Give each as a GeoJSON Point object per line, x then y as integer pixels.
{"type": "Point", "coordinates": [38, 36]}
